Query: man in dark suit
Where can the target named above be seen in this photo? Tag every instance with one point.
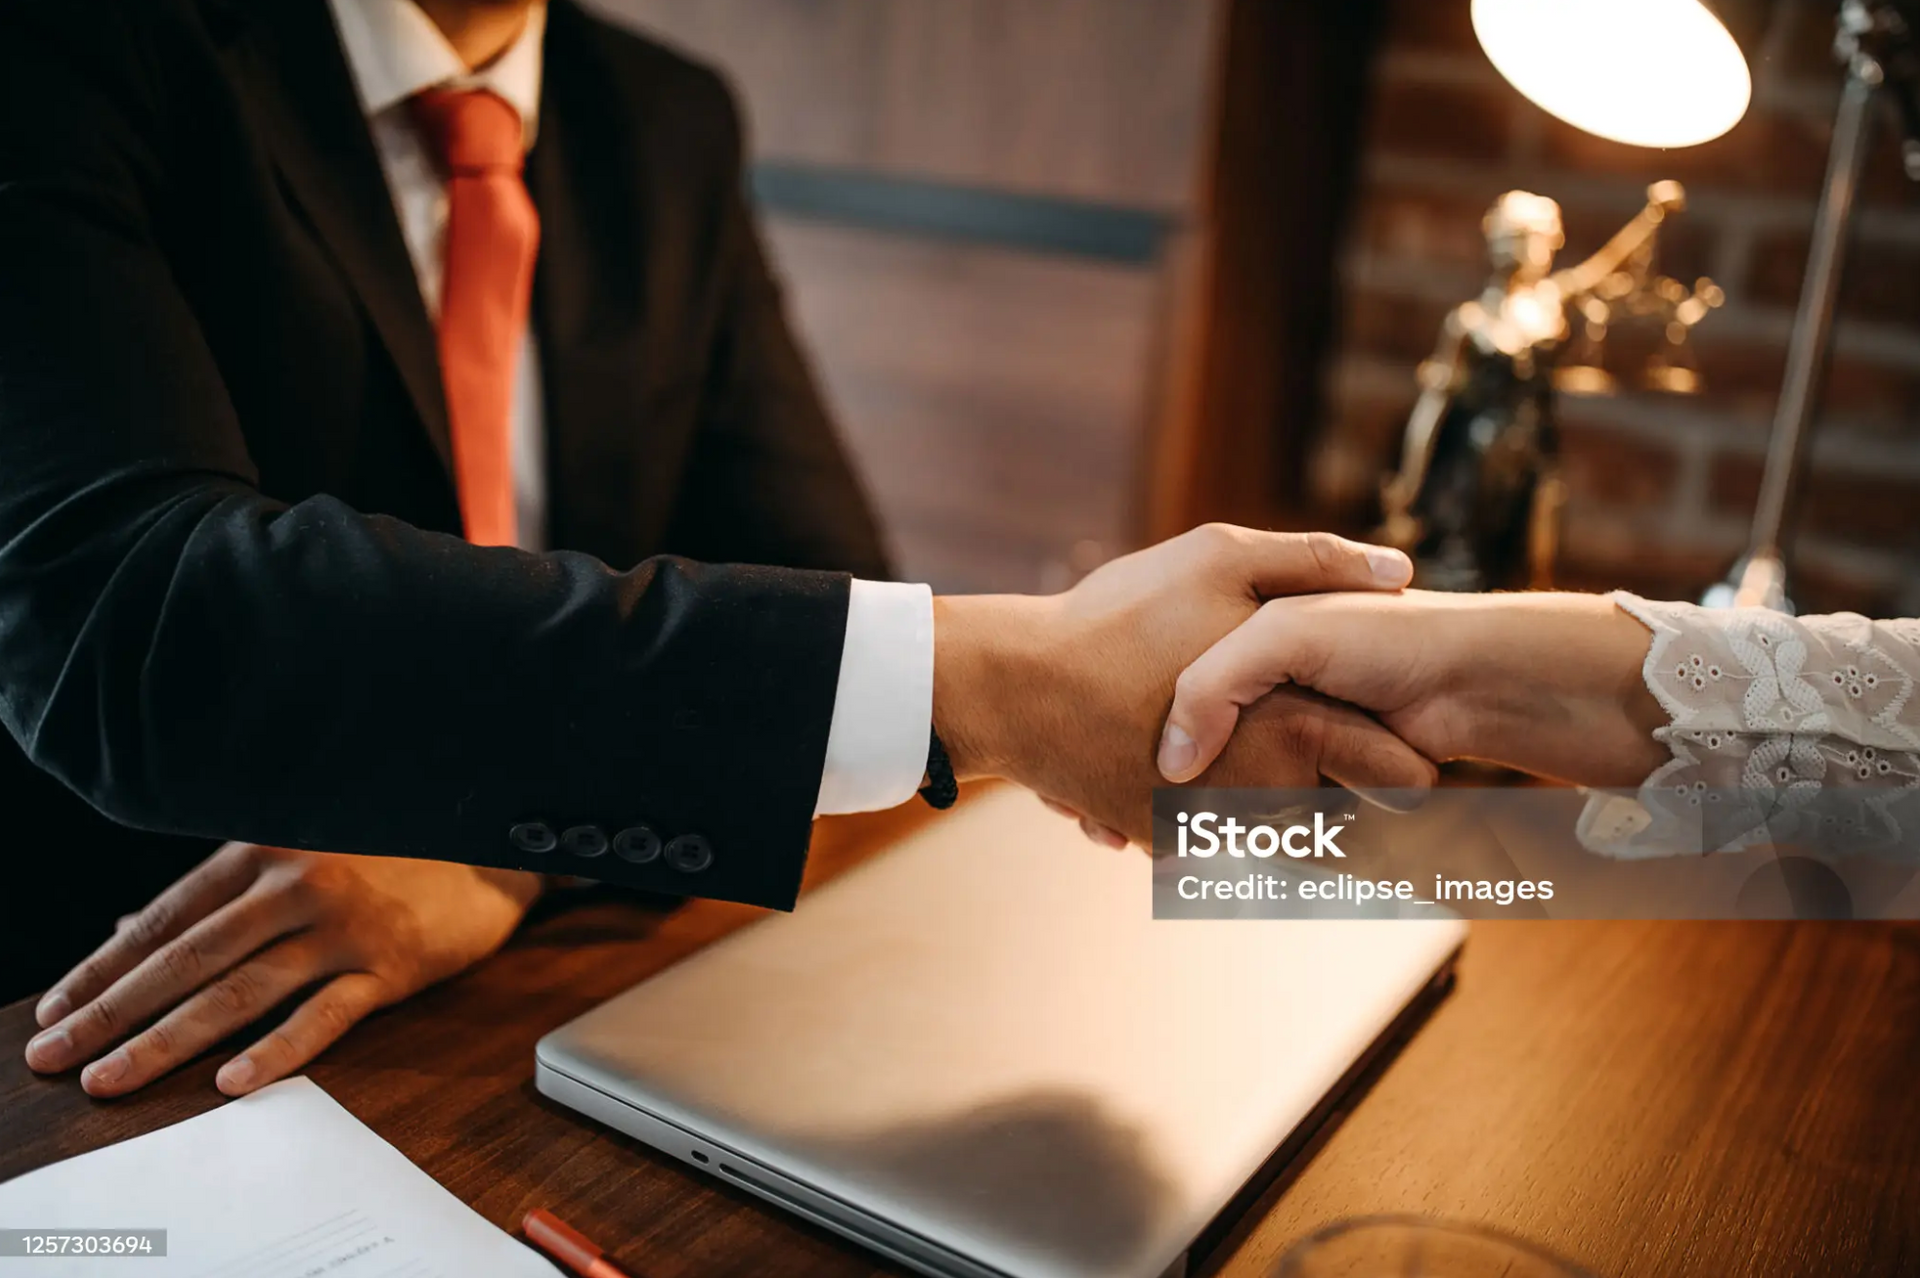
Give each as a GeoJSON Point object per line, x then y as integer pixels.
{"type": "Point", "coordinates": [366, 489]}
{"type": "Point", "coordinates": [249, 279]}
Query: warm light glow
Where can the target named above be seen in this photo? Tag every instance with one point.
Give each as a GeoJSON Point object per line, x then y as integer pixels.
{"type": "Point", "coordinates": [1647, 72]}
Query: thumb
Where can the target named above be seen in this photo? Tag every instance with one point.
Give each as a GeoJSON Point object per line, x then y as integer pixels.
{"type": "Point", "coordinates": [1276, 563]}
{"type": "Point", "coordinates": [1268, 649]}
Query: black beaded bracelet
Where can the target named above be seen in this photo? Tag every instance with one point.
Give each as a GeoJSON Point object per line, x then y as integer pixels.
{"type": "Point", "coordinates": [941, 790]}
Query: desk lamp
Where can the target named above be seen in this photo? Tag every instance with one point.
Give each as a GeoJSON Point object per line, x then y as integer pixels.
{"type": "Point", "coordinates": [1668, 73]}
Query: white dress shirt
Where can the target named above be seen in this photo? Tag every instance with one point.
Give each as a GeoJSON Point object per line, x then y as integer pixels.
{"type": "Point", "coordinates": [883, 706]}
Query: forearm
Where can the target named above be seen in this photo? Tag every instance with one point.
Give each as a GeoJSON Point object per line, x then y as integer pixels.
{"type": "Point", "coordinates": [1552, 684]}
{"type": "Point", "coordinates": [422, 697]}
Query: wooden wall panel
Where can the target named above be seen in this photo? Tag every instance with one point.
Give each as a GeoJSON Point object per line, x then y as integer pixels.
{"type": "Point", "coordinates": [1102, 100]}
{"type": "Point", "coordinates": [995, 401]}
{"type": "Point", "coordinates": [1001, 401]}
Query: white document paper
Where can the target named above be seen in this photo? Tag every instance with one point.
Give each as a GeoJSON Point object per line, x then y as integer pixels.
{"type": "Point", "coordinates": [284, 1183]}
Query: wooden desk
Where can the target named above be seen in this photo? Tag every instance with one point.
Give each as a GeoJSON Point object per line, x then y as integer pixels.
{"type": "Point", "coordinates": [1671, 1099]}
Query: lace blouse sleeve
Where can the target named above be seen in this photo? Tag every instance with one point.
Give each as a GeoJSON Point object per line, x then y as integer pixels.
{"type": "Point", "coordinates": [1802, 730]}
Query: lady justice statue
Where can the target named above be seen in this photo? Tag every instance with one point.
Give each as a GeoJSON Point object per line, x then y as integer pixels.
{"type": "Point", "coordinates": [1477, 499]}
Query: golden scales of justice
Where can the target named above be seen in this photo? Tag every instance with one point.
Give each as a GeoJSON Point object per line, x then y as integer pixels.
{"type": "Point", "coordinates": [1647, 73]}
{"type": "Point", "coordinates": [1477, 499]}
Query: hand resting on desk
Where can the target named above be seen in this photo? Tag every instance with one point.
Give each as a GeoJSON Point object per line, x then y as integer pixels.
{"type": "Point", "coordinates": [251, 927]}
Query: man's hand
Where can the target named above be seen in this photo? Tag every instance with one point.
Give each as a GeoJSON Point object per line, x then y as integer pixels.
{"type": "Point", "coordinates": [1547, 683]}
{"type": "Point", "coordinates": [247, 929]}
{"type": "Point", "coordinates": [1066, 694]}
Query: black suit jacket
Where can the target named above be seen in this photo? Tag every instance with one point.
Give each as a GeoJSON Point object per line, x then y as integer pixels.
{"type": "Point", "coordinates": [233, 603]}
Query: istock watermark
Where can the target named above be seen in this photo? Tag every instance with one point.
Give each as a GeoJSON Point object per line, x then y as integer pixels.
{"type": "Point", "coordinates": [1205, 834]}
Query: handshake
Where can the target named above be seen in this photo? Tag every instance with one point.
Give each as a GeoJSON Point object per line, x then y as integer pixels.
{"type": "Point", "coordinates": [1234, 657]}
{"type": "Point", "coordinates": [1243, 658]}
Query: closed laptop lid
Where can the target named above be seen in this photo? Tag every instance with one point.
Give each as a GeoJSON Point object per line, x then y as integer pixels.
{"type": "Point", "coordinates": [983, 1038]}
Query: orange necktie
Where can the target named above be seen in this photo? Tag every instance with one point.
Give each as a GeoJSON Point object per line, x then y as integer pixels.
{"type": "Point", "coordinates": [493, 233]}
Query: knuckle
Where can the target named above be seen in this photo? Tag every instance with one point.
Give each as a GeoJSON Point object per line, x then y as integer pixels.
{"type": "Point", "coordinates": [303, 891]}
{"type": "Point", "coordinates": [235, 992]}
{"type": "Point", "coordinates": [1217, 540]}
{"type": "Point", "coordinates": [1355, 744]}
{"type": "Point", "coordinates": [103, 1018]}
{"type": "Point", "coordinates": [179, 962]}
{"type": "Point", "coordinates": [159, 1040]}
{"type": "Point", "coordinates": [405, 970]}
{"type": "Point", "coordinates": [1301, 732]}
{"type": "Point", "coordinates": [151, 925]}
{"type": "Point", "coordinates": [339, 1019]}
{"type": "Point", "coordinates": [1329, 553]}
{"type": "Point", "coordinates": [279, 1046]}
{"type": "Point", "coordinates": [334, 1018]}
{"type": "Point", "coordinates": [1194, 684]}
{"type": "Point", "coordinates": [90, 975]}
{"type": "Point", "coordinates": [241, 860]}
{"type": "Point", "coordinates": [1275, 617]}
{"type": "Point", "coordinates": [1287, 626]}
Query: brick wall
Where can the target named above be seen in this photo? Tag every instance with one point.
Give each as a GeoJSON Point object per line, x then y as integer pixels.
{"type": "Point", "coordinates": [1662, 487]}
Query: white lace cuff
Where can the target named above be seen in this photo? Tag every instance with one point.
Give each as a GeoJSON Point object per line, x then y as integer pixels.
{"type": "Point", "coordinates": [1782, 729]}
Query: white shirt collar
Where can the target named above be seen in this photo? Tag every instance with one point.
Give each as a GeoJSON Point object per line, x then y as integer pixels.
{"type": "Point", "coordinates": [396, 51]}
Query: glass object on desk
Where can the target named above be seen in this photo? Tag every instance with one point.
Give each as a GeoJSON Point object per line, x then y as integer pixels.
{"type": "Point", "coordinates": [1413, 1247]}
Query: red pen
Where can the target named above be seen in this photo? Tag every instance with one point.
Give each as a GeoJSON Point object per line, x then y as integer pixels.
{"type": "Point", "coordinates": [568, 1245]}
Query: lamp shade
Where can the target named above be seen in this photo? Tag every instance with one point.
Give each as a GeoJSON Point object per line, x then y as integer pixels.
{"type": "Point", "coordinates": [1646, 72]}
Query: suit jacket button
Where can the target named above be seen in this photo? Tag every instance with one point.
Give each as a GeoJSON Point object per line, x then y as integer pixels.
{"type": "Point", "coordinates": [532, 836]}
{"type": "Point", "coordinates": [584, 840]}
{"type": "Point", "coordinates": [689, 854]}
{"type": "Point", "coordinates": [637, 843]}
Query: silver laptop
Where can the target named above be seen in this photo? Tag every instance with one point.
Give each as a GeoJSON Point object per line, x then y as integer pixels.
{"type": "Point", "coordinates": [979, 1055]}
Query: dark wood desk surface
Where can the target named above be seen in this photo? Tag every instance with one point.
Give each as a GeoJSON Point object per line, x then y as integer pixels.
{"type": "Point", "coordinates": [1648, 1098]}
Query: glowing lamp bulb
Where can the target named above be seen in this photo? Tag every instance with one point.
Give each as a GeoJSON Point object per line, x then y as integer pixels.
{"type": "Point", "coordinates": [1646, 72]}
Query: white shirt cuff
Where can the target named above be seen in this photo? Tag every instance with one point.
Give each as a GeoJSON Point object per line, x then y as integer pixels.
{"type": "Point", "coordinates": [883, 704]}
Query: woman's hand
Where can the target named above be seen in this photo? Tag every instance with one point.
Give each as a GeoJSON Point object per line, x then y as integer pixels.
{"type": "Point", "coordinates": [247, 929]}
{"type": "Point", "coordinates": [1548, 683]}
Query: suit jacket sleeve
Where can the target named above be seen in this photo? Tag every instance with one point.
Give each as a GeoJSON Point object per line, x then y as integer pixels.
{"type": "Point", "coordinates": [768, 480]}
{"type": "Point", "coordinates": [195, 657]}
